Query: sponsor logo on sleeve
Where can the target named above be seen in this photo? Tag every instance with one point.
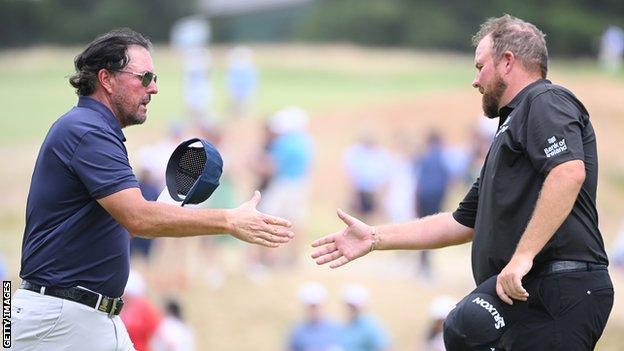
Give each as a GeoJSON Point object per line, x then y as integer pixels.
{"type": "Point", "coordinates": [555, 147]}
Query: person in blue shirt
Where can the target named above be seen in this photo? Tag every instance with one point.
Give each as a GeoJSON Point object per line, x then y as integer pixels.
{"type": "Point", "coordinates": [84, 205]}
{"type": "Point", "coordinates": [361, 332]}
{"type": "Point", "coordinates": [432, 181]}
{"type": "Point", "coordinates": [290, 154]}
{"type": "Point", "coordinates": [316, 332]}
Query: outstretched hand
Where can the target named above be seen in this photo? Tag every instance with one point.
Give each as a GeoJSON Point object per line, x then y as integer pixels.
{"type": "Point", "coordinates": [252, 226]}
{"type": "Point", "coordinates": [346, 245]}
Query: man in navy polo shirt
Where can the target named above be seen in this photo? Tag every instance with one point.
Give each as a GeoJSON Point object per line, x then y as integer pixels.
{"type": "Point", "coordinates": [84, 201]}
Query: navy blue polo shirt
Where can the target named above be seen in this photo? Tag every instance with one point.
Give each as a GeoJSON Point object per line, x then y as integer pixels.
{"type": "Point", "coordinates": [69, 239]}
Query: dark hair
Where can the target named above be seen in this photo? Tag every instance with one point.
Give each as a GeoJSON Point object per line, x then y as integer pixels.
{"type": "Point", "coordinates": [172, 307]}
{"type": "Point", "coordinates": [106, 51]}
{"type": "Point", "coordinates": [524, 39]}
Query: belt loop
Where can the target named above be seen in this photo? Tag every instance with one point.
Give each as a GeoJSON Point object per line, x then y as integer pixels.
{"type": "Point", "coordinates": [42, 290]}
{"type": "Point", "coordinates": [99, 300]}
{"type": "Point", "coordinates": [112, 310]}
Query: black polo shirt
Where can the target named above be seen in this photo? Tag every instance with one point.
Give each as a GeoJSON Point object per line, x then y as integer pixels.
{"type": "Point", "coordinates": [69, 239]}
{"type": "Point", "coordinates": [542, 127]}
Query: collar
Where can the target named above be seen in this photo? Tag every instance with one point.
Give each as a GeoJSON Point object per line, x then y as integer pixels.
{"type": "Point", "coordinates": [507, 109]}
{"type": "Point", "coordinates": [109, 117]}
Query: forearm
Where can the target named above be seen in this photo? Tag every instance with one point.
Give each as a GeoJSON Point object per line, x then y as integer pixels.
{"type": "Point", "coordinates": [430, 232]}
{"type": "Point", "coordinates": [164, 220]}
{"type": "Point", "coordinates": [556, 199]}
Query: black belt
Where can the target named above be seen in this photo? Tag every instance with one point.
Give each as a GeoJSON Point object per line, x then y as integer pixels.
{"type": "Point", "coordinates": [102, 303]}
{"type": "Point", "coordinates": [568, 266]}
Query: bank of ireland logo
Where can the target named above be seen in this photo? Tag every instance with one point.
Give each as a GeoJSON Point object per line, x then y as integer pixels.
{"type": "Point", "coordinates": [555, 147]}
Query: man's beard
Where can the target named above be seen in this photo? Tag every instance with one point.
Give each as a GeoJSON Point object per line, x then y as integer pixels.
{"type": "Point", "coordinates": [126, 116]}
{"type": "Point", "coordinates": [491, 99]}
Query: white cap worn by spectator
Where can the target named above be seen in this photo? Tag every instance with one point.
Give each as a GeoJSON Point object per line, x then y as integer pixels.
{"type": "Point", "coordinates": [289, 120]}
{"type": "Point", "coordinates": [312, 293]}
{"type": "Point", "coordinates": [355, 295]}
{"type": "Point", "coordinates": [135, 285]}
{"type": "Point", "coordinates": [441, 306]}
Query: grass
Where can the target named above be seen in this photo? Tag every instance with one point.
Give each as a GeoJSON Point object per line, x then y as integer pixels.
{"type": "Point", "coordinates": [37, 92]}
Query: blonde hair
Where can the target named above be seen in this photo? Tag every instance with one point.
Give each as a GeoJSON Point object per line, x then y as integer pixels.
{"type": "Point", "coordinates": [522, 38]}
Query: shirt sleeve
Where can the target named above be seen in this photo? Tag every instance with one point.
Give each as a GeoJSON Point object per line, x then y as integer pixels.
{"type": "Point", "coordinates": [466, 212]}
{"type": "Point", "coordinates": [378, 338]}
{"type": "Point", "coordinates": [101, 163]}
{"type": "Point", "coordinates": [554, 131]}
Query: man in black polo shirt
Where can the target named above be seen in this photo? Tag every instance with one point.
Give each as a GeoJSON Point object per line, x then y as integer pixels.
{"type": "Point", "coordinates": [537, 255]}
{"type": "Point", "coordinates": [84, 200]}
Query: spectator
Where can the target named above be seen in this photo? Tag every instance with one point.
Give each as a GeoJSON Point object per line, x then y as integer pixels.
{"type": "Point", "coordinates": [400, 197]}
{"type": "Point", "coordinates": [432, 181]}
{"type": "Point", "coordinates": [150, 190]}
{"type": "Point", "coordinates": [153, 158]}
{"type": "Point", "coordinates": [140, 317]}
{"type": "Point", "coordinates": [316, 332]}
{"type": "Point", "coordinates": [612, 48]}
{"type": "Point", "coordinates": [438, 310]}
{"type": "Point", "coordinates": [242, 79]}
{"type": "Point", "coordinates": [262, 165]}
{"type": "Point", "coordinates": [367, 170]}
{"type": "Point", "coordinates": [361, 332]}
{"type": "Point", "coordinates": [173, 334]}
{"type": "Point", "coordinates": [287, 193]}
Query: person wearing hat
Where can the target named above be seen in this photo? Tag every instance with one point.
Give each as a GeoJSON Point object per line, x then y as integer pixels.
{"type": "Point", "coordinates": [538, 257]}
{"type": "Point", "coordinates": [361, 332]}
{"type": "Point", "coordinates": [316, 332]}
{"type": "Point", "coordinates": [439, 309]}
{"type": "Point", "coordinates": [84, 204]}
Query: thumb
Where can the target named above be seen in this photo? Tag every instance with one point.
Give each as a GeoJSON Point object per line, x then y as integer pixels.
{"type": "Point", "coordinates": [346, 218]}
{"type": "Point", "coordinates": [255, 199]}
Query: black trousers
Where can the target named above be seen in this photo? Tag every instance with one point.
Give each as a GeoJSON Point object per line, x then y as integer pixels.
{"type": "Point", "coordinates": [565, 311]}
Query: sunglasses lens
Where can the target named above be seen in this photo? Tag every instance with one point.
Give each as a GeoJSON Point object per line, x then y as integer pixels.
{"type": "Point", "coordinates": [146, 79]}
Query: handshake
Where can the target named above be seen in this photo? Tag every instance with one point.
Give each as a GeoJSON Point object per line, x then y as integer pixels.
{"type": "Point", "coordinates": [193, 174]}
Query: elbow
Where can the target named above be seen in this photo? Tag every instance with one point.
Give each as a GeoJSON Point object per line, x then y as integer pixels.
{"type": "Point", "coordinates": [136, 228]}
{"type": "Point", "coordinates": [577, 174]}
{"type": "Point", "coordinates": [572, 171]}
{"type": "Point", "coordinates": [138, 225]}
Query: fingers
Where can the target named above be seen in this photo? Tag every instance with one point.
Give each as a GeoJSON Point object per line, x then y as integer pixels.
{"type": "Point", "coordinates": [340, 262]}
{"type": "Point", "coordinates": [328, 257]}
{"type": "Point", "coordinates": [501, 293]}
{"type": "Point", "coordinates": [324, 250]}
{"type": "Point", "coordinates": [264, 242]}
{"type": "Point", "coordinates": [273, 238]}
{"type": "Point", "coordinates": [268, 219]}
{"type": "Point", "coordinates": [517, 290]}
{"type": "Point", "coordinates": [346, 218]}
{"type": "Point", "coordinates": [324, 240]}
{"type": "Point", "coordinates": [509, 287]}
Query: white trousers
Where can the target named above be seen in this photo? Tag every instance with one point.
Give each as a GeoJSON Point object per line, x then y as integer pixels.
{"type": "Point", "coordinates": [46, 323]}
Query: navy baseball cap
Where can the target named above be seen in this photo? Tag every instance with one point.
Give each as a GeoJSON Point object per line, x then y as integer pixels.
{"type": "Point", "coordinates": [193, 171]}
{"type": "Point", "coordinates": [479, 320]}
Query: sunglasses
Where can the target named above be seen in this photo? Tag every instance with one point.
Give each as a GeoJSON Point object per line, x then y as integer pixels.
{"type": "Point", "coordinates": [146, 78]}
